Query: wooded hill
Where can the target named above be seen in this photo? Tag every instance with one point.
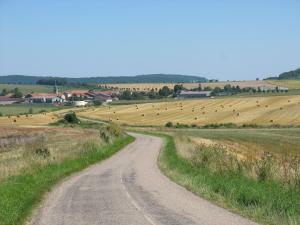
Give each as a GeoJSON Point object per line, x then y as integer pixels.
{"type": "Point", "coordinates": [291, 75]}
{"type": "Point", "coordinates": [149, 78]}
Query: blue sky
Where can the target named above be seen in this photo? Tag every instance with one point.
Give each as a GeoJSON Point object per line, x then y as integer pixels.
{"type": "Point", "coordinates": [234, 40]}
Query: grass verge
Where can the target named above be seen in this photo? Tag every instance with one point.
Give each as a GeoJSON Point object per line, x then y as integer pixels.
{"type": "Point", "coordinates": [19, 194]}
{"type": "Point", "coordinates": [267, 202]}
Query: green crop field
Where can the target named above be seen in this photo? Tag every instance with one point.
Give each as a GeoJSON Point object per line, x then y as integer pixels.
{"type": "Point", "coordinates": [17, 109]}
{"type": "Point", "coordinates": [26, 89]}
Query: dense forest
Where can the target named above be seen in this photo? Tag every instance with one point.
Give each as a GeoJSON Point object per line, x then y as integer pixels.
{"type": "Point", "coordinates": [291, 75]}
{"type": "Point", "coordinates": [150, 78]}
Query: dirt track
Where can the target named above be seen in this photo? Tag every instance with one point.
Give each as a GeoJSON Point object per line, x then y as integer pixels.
{"type": "Point", "coordinates": [129, 189]}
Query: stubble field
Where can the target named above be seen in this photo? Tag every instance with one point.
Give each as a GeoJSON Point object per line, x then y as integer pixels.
{"type": "Point", "coordinates": [283, 110]}
{"type": "Point", "coordinates": [221, 84]}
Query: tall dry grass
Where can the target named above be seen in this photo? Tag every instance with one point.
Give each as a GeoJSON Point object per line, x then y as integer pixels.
{"type": "Point", "coordinates": [263, 168]}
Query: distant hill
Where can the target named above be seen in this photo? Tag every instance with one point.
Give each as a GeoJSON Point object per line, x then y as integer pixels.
{"type": "Point", "coordinates": [149, 78]}
{"type": "Point", "coordinates": [291, 75]}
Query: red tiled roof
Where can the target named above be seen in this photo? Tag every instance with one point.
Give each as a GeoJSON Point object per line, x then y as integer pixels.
{"type": "Point", "coordinates": [42, 95]}
{"type": "Point", "coordinates": [77, 92]}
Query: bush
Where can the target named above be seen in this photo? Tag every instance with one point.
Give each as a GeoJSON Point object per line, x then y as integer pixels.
{"type": "Point", "coordinates": [263, 167]}
{"type": "Point", "coordinates": [109, 132]}
{"type": "Point", "coordinates": [71, 118]}
{"type": "Point", "coordinates": [42, 152]}
{"type": "Point", "coordinates": [97, 103]}
{"type": "Point", "coordinates": [181, 125]}
{"type": "Point", "coordinates": [1, 114]}
{"type": "Point", "coordinates": [169, 124]}
{"type": "Point", "coordinates": [220, 125]}
{"type": "Point", "coordinates": [30, 111]}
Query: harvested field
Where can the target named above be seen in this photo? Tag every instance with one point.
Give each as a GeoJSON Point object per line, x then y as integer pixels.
{"type": "Point", "coordinates": [283, 110]}
{"type": "Point", "coordinates": [157, 86]}
{"type": "Point", "coordinates": [29, 120]}
{"type": "Point", "coordinates": [291, 84]}
{"type": "Point", "coordinates": [40, 119]}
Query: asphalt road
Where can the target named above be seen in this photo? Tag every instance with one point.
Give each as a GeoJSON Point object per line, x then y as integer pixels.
{"type": "Point", "coordinates": [129, 189]}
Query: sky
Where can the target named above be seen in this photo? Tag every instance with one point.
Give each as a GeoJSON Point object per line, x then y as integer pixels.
{"type": "Point", "coordinates": [217, 39]}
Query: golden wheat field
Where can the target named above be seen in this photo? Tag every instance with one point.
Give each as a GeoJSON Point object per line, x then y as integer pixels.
{"type": "Point", "coordinates": [221, 84]}
{"type": "Point", "coordinates": [39, 119]}
{"type": "Point", "coordinates": [284, 110]}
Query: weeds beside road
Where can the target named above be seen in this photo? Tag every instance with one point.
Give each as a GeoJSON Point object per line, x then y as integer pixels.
{"type": "Point", "coordinates": [266, 201]}
{"type": "Point", "coordinates": [20, 193]}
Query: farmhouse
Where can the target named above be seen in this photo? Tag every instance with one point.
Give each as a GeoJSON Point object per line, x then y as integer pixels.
{"type": "Point", "coordinates": [102, 97]}
{"type": "Point", "coordinates": [194, 94]}
{"type": "Point", "coordinates": [81, 94]}
{"type": "Point", "coordinates": [45, 98]}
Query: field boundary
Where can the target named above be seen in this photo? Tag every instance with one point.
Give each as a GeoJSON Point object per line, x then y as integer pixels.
{"type": "Point", "coordinates": [263, 202]}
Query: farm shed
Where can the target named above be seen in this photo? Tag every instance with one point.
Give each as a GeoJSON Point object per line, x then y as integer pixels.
{"type": "Point", "coordinates": [102, 97]}
{"type": "Point", "coordinates": [194, 94]}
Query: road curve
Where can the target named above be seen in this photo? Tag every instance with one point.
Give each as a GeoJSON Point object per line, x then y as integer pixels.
{"type": "Point", "coordinates": [129, 189]}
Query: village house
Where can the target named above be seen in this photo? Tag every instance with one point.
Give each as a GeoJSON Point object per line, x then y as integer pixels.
{"type": "Point", "coordinates": [45, 98]}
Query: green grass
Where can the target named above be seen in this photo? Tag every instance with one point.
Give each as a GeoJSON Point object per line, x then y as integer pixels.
{"type": "Point", "coordinates": [267, 202]}
{"type": "Point", "coordinates": [282, 141]}
{"type": "Point", "coordinates": [19, 194]}
{"type": "Point", "coordinates": [17, 109]}
{"type": "Point", "coordinates": [27, 88]}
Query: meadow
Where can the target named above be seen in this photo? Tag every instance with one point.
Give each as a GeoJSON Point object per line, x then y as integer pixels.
{"type": "Point", "coordinates": [254, 172]}
{"type": "Point", "coordinates": [270, 110]}
{"type": "Point", "coordinates": [32, 160]}
{"type": "Point", "coordinates": [27, 88]}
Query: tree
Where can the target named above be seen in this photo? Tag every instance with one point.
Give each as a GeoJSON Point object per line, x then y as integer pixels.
{"type": "Point", "coordinates": [178, 87]}
{"type": "Point", "coordinates": [169, 124]}
{"type": "Point", "coordinates": [126, 95]}
{"type": "Point", "coordinates": [227, 88]}
{"type": "Point", "coordinates": [17, 93]}
{"type": "Point", "coordinates": [71, 118]}
{"type": "Point", "coordinates": [207, 88]}
{"type": "Point", "coordinates": [4, 92]}
{"type": "Point", "coordinates": [165, 91]}
{"type": "Point", "coordinates": [152, 94]}
{"type": "Point", "coordinates": [216, 91]}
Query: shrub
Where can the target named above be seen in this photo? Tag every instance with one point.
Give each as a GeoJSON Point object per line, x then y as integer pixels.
{"type": "Point", "coordinates": [97, 103]}
{"type": "Point", "coordinates": [109, 132]}
{"type": "Point", "coordinates": [42, 152]}
{"type": "Point", "coordinates": [181, 125]}
{"type": "Point", "coordinates": [169, 124]}
{"type": "Point", "coordinates": [30, 111]}
{"type": "Point", "coordinates": [1, 114]}
{"type": "Point", "coordinates": [263, 167]}
{"type": "Point", "coordinates": [71, 118]}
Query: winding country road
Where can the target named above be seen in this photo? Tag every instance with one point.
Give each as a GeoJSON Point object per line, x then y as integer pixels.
{"type": "Point", "coordinates": [129, 189]}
